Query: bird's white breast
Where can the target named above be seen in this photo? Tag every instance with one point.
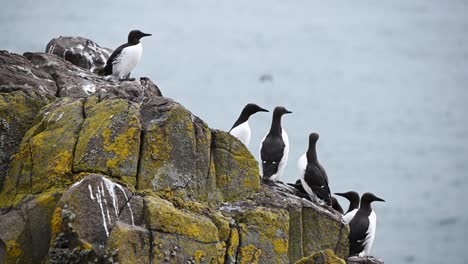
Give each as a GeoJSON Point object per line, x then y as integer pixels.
{"type": "Point", "coordinates": [301, 167]}
{"type": "Point", "coordinates": [126, 61]}
{"type": "Point", "coordinates": [349, 216]}
{"type": "Point", "coordinates": [242, 132]}
{"type": "Point", "coordinates": [370, 235]}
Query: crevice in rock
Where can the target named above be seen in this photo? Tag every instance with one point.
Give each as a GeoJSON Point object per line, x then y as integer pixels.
{"type": "Point", "coordinates": [238, 246]}
{"type": "Point", "coordinates": [83, 113]}
{"type": "Point", "coordinates": [59, 89]}
{"type": "Point", "coordinates": [227, 260]}
{"type": "Point", "coordinates": [140, 157]}
{"type": "Point", "coordinates": [337, 247]}
{"type": "Point", "coordinates": [185, 237]}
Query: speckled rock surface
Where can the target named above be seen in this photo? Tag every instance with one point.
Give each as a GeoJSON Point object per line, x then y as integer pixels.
{"type": "Point", "coordinates": [322, 257]}
{"type": "Point", "coordinates": [364, 260]}
{"type": "Point", "coordinates": [80, 51]}
{"type": "Point", "coordinates": [95, 171]}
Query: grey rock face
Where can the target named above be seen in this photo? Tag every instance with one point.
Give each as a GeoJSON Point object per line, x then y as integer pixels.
{"type": "Point", "coordinates": [365, 260]}
{"type": "Point", "coordinates": [79, 51]}
{"type": "Point", "coordinates": [93, 206]}
{"type": "Point", "coordinates": [106, 172]}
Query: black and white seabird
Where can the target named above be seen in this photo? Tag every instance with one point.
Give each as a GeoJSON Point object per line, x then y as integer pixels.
{"type": "Point", "coordinates": [124, 59]}
{"type": "Point", "coordinates": [313, 177]}
{"type": "Point", "coordinates": [241, 128]}
{"type": "Point", "coordinates": [275, 147]}
{"type": "Point", "coordinates": [363, 226]}
{"type": "Point", "coordinates": [301, 192]}
{"type": "Point", "coordinates": [353, 198]}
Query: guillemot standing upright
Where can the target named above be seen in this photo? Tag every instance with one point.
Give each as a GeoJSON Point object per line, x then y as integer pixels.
{"type": "Point", "coordinates": [363, 226]}
{"type": "Point", "coordinates": [313, 177]}
{"type": "Point", "coordinates": [124, 59]}
{"type": "Point", "coordinates": [275, 147]}
{"type": "Point", "coordinates": [353, 198]}
{"type": "Point", "coordinates": [241, 128]}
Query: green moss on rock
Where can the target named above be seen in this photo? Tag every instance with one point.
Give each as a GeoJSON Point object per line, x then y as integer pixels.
{"type": "Point", "coordinates": [17, 113]}
{"type": "Point", "coordinates": [173, 248]}
{"type": "Point", "coordinates": [263, 235]}
{"type": "Point", "coordinates": [322, 257]}
{"type": "Point", "coordinates": [236, 170]}
{"type": "Point", "coordinates": [320, 232]}
{"type": "Point", "coordinates": [161, 215]}
{"type": "Point", "coordinates": [176, 155]}
{"type": "Point", "coordinates": [109, 142]}
{"type": "Point", "coordinates": [132, 242]}
{"type": "Point", "coordinates": [45, 158]}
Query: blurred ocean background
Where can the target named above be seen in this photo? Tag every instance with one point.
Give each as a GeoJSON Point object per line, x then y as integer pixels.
{"type": "Point", "coordinates": [385, 83]}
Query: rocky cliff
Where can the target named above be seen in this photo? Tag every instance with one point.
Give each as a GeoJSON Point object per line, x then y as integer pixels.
{"type": "Point", "coordinates": [95, 171]}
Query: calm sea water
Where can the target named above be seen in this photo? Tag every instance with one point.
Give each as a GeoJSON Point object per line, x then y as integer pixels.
{"type": "Point", "coordinates": [385, 83]}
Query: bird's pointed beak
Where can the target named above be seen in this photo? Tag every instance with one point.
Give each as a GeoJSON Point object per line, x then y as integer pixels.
{"type": "Point", "coordinates": [379, 199]}
{"type": "Point", "coordinates": [288, 112]}
{"type": "Point", "coordinates": [146, 35]}
{"type": "Point", "coordinates": [339, 194]}
{"type": "Point", "coordinates": [263, 110]}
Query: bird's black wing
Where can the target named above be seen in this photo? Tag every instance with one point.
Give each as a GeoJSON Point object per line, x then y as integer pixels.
{"type": "Point", "coordinates": [358, 233]}
{"type": "Point", "coordinates": [107, 70]}
{"type": "Point", "coordinates": [323, 172]}
{"type": "Point", "coordinates": [271, 154]}
{"type": "Point", "coordinates": [314, 177]}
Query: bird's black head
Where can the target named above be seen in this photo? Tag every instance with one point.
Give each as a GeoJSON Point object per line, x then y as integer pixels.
{"type": "Point", "coordinates": [351, 196]}
{"type": "Point", "coordinates": [135, 35]}
{"type": "Point", "coordinates": [368, 198]}
{"type": "Point", "coordinates": [280, 111]}
{"type": "Point", "coordinates": [313, 138]}
{"type": "Point", "coordinates": [251, 109]}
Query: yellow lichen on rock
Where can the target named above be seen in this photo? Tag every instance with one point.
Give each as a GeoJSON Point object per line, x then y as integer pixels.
{"type": "Point", "coordinates": [109, 141]}
{"type": "Point", "coordinates": [198, 256]}
{"type": "Point", "coordinates": [250, 254]}
{"type": "Point", "coordinates": [162, 215]}
{"type": "Point", "coordinates": [235, 168]}
{"type": "Point", "coordinates": [233, 243]}
{"type": "Point", "coordinates": [280, 246]}
{"type": "Point", "coordinates": [56, 222]}
{"type": "Point", "coordinates": [13, 249]}
{"type": "Point", "coordinates": [268, 230]}
{"type": "Point", "coordinates": [326, 256]}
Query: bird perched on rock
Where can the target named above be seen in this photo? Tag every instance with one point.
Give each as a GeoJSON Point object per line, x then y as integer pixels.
{"type": "Point", "coordinates": [241, 128]}
{"type": "Point", "coordinates": [124, 59]}
{"type": "Point", "coordinates": [353, 198]}
{"type": "Point", "coordinates": [275, 147]}
{"type": "Point", "coordinates": [362, 227]}
{"type": "Point", "coordinates": [313, 177]}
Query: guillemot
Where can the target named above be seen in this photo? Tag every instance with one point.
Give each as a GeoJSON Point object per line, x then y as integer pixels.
{"type": "Point", "coordinates": [241, 128]}
{"type": "Point", "coordinates": [362, 227]}
{"type": "Point", "coordinates": [124, 59]}
{"type": "Point", "coordinates": [274, 148]}
{"type": "Point", "coordinates": [313, 177]}
{"type": "Point", "coordinates": [353, 198]}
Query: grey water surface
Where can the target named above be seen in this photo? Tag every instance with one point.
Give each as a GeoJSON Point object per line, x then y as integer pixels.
{"type": "Point", "coordinates": [385, 83]}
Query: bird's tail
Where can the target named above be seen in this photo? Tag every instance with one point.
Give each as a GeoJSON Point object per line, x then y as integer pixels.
{"type": "Point", "coordinates": [269, 169]}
